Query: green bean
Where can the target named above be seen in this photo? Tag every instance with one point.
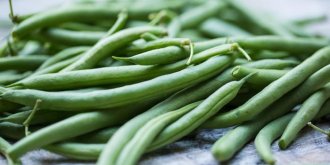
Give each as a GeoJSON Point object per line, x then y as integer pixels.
{"type": "Point", "coordinates": [262, 78]}
{"type": "Point", "coordinates": [41, 117]}
{"type": "Point", "coordinates": [277, 89]}
{"type": "Point", "coordinates": [64, 54]}
{"type": "Point", "coordinates": [83, 13]}
{"type": "Point", "coordinates": [160, 43]}
{"type": "Point", "coordinates": [286, 103]}
{"type": "Point", "coordinates": [71, 127]}
{"type": "Point", "coordinates": [99, 136]}
{"type": "Point", "coordinates": [274, 43]}
{"type": "Point", "coordinates": [194, 36]}
{"type": "Point", "coordinates": [165, 55]}
{"type": "Point", "coordinates": [57, 67]}
{"type": "Point", "coordinates": [22, 63]}
{"type": "Point", "coordinates": [6, 106]}
{"type": "Point", "coordinates": [149, 37]}
{"type": "Point", "coordinates": [76, 26]}
{"type": "Point", "coordinates": [119, 24]}
{"type": "Point", "coordinates": [143, 91]}
{"type": "Point", "coordinates": [225, 148]}
{"type": "Point", "coordinates": [144, 137]}
{"type": "Point", "coordinates": [325, 110]}
{"type": "Point", "coordinates": [4, 145]}
{"type": "Point", "coordinates": [76, 150]}
{"type": "Point", "coordinates": [68, 37]}
{"type": "Point", "coordinates": [271, 26]}
{"type": "Point", "coordinates": [209, 107]}
{"type": "Point", "coordinates": [184, 97]}
{"type": "Point", "coordinates": [305, 114]}
{"type": "Point", "coordinates": [115, 75]}
{"type": "Point", "coordinates": [193, 17]}
{"type": "Point", "coordinates": [174, 27]}
{"type": "Point", "coordinates": [265, 54]}
{"type": "Point", "coordinates": [217, 28]}
{"type": "Point", "coordinates": [110, 44]}
{"type": "Point", "coordinates": [31, 47]}
{"type": "Point", "coordinates": [268, 134]}
{"type": "Point", "coordinates": [12, 130]}
{"type": "Point", "coordinates": [6, 79]}
{"type": "Point", "coordinates": [310, 20]}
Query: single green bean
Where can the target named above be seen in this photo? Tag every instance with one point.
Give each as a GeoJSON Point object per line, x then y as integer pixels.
{"type": "Point", "coordinates": [262, 78]}
{"type": "Point", "coordinates": [217, 28]}
{"type": "Point", "coordinates": [22, 63]}
{"type": "Point", "coordinates": [119, 24]}
{"type": "Point", "coordinates": [160, 43]}
{"type": "Point", "coordinates": [275, 43]}
{"type": "Point", "coordinates": [6, 79]}
{"type": "Point", "coordinates": [76, 150]}
{"type": "Point", "coordinates": [110, 44]}
{"type": "Point", "coordinates": [305, 114]}
{"type": "Point", "coordinates": [266, 54]}
{"type": "Point", "coordinates": [76, 26]}
{"type": "Point", "coordinates": [277, 89]}
{"type": "Point", "coordinates": [41, 117]}
{"type": "Point", "coordinates": [165, 55]}
{"type": "Point", "coordinates": [68, 37]}
{"type": "Point", "coordinates": [268, 134]}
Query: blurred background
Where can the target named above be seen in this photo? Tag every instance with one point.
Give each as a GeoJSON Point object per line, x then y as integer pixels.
{"type": "Point", "coordinates": [283, 10]}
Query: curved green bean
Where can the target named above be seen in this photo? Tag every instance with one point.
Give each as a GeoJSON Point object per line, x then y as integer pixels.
{"type": "Point", "coordinates": [157, 56]}
{"type": "Point", "coordinates": [22, 63]}
{"type": "Point", "coordinates": [305, 114]}
{"type": "Point", "coordinates": [268, 134]}
{"type": "Point", "coordinates": [76, 150]}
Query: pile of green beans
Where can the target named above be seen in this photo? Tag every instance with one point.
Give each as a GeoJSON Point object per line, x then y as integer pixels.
{"type": "Point", "coordinates": [110, 81]}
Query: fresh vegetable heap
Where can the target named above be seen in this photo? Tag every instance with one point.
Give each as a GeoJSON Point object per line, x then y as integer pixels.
{"type": "Point", "coordinates": [109, 81]}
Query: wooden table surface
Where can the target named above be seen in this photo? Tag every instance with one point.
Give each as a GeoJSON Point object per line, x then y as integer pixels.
{"type": "Point", "coordinates": [310, 148]}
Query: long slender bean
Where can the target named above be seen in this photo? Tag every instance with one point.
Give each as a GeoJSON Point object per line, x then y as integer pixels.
{"type": "Point", "coordinates": [76, 150]}
{"type": "Point", "coordinates": [275, 43]}
{"type": "Point", "coordinates": [305, 114]}
{"type": "Point", "coordinates": [268, 134]}
{"type": "Point", "coordinates": [157, 56]}
{"type": "Point", "coordinates": [22, 63]}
